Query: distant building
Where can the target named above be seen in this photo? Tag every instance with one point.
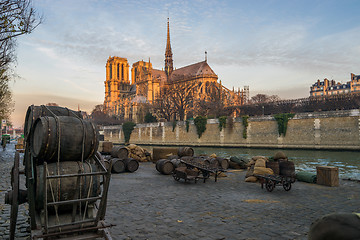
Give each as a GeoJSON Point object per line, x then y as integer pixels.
{"type": "Point", "coordinates": [127, 99]}
{"type": "Point", "coordinates": [330, 87]}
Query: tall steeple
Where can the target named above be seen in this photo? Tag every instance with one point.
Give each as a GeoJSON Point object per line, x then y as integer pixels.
{"type": "Point", "coordinates": [168, 54]}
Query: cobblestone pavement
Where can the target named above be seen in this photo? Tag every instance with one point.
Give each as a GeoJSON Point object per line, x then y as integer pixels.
{"type": "Point", "coordinates": [148, 205]}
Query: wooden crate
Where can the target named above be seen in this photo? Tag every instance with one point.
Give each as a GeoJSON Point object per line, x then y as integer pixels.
{"type": "Point", "coordinates": [328, 176]}
{"type": "Point", "coordinates": [105, 146]}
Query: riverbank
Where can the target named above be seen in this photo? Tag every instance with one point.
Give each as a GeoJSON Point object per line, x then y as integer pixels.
{"type": "Point", "coordinates": [336, 130]}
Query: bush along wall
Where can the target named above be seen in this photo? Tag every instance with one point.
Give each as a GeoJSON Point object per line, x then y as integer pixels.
{"type": "Point", "coordinates": [174, 125]}
{"type": "Point", "coordinates": [128, 127]}
{"type": "Point", "coordinates": [187, 125]}
{"type": "Point", "coordinates": [200, 124]}
{"type": "Point", "coordinates": [222, 122]}
{"type": "Point", "coordinates": [245, 125]}
{"type": "Point", "coordinates": [282, 121]}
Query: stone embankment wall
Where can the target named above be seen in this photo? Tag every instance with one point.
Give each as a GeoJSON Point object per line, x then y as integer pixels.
{"type": "Point", "coordinates": [322, 130]}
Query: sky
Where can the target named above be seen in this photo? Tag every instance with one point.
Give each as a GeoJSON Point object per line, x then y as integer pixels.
{"type": "Point", "coordinates": [276, 47]}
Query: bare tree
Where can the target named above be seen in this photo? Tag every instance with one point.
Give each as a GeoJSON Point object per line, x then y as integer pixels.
{"type": "Point", "coordinates": [6, 104]}
{"type": "Point", "coordinates": [212, 103]}
{"type": "Point", "coordinates": [263, 98]}
{"type": "Point", "coordinates": [175, 100]}
{"type": "Point", "coordinates": [17, 17]}
{"type": "Point", "coordinates": [163, 106]}
{"type": "Point", "coordinates": [52, 104]}
{"type": "Point", "coordinates": [101, 118]}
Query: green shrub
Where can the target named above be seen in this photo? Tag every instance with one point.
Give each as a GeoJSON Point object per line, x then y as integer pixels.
{"type": "Point", "coordinates": [187, 122]}
{"type": "Point", "coordinates": [245, 124]}
{"type": "Point", "coordinates": [200, 124]}
{"type": "Point", "coordinates": [174, 125]}
{"type": "Point", "coordinates": [149, 118]}
{"type": "Point", "coordinates": [282, 121]}
{"type": "Point", "coordinates": [128, 127]}
{"type": "Point", "coordinates": [222, 122]}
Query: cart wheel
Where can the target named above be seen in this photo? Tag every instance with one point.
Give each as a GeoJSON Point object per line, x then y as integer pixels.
{"type": "Point", "coordinates": [176, 177]}
{"type": "Point", "coordinates": [15, 194]}
{"type": "Point", "coordinates": [270, 185]}
{"type": "Point", "coordinates": [287, 186]}
{"type": "Point", "coordinates": [30, 173]}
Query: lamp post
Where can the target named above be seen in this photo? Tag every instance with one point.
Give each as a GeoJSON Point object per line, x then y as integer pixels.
{"type": "Point", "coordinates": [263, 111]}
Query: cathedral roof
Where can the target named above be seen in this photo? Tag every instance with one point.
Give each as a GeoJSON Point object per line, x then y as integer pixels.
{"type": "Point", "coordinates": [158, 74]}
{"type": "Point", "coordinates": [193, 70]}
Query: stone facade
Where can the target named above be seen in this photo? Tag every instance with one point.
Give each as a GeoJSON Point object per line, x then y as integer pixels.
{"type": "Point", "coordinates": [325, 130]}
{"type": "Point", "coordinates": [130, 100]}
{"type": "Point", "coordinates": [328, 87]}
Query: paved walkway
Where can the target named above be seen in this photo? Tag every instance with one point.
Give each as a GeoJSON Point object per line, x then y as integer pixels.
{"type": "Point", "coordinates": [148, 205]}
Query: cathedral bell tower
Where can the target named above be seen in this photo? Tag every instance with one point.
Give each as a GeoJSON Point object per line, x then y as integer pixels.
{"type": "Point", "coordinates": [168, 54]}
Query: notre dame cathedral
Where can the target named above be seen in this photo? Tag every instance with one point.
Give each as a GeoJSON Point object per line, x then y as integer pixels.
{"type": "Point", "coordinates": [126, 99]}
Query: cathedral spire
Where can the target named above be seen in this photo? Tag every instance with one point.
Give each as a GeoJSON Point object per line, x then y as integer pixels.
{"type": "Point", "coordinates": [168, 54]}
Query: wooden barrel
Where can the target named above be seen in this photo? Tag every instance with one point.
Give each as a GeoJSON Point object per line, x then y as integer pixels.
{"type": "Point", "coordinates": [34, 112]}
{"type": "Point", "coordinates": [177, 163]}
{"type": "Point", "coordinates": [287, 168]}
{"type": "Point", "coordinates": [107, 164]}
{"type": "Point", "coordinates": [187, 159]}
{"type": "Point", "coordinates": [45, 139]}
{"type": "Point", "coordinates": [120, 152]}
{"type": "Point", "coordinates": [131, 165]}
{"type": "Point", "coordinates": [185, 151]}
{"type": "Point", "coordinates": [171, 157]}
{"type": "Point", "coordinates": [118, 165]}
{"type": "Point", "coordinates": [66, 188]}
{"type": "Point", "coordinates": [163, 152]}
{"type": "Point", "coordinates": [211, 162]}
{"type": "Point", "coordinates": [164, 166]}
{"type": "Point", "coordinates": [223, 163]}
{"type": "Point", "coordinates": [274, 165]}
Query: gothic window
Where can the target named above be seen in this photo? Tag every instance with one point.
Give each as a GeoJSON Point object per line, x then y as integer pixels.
{"type": "Point", "coordinates": [117, 71]}
{"type": "Point", "coordinates": [207, 87]}
{"type": "Point", "coordinates": [122, 71]}
{"type": "Point", "coordinates": [110, 71]}
{"type": "Point", "coordinates": [135, 74]}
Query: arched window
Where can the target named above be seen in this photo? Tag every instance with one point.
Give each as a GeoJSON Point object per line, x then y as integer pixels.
{"type": "Point", "coordinates": [110, 71]}
{"type": "Point", "coordinates": [117, 71]}
{"type": "Point", "coordinates": [122, 71]}
{"type": "Point", "coordinates": [135, 74]}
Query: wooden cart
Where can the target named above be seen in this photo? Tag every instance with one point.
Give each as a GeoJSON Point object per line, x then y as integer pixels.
{"type": "Point", "coordinates": [195, 171]}
{"type": "Point", "coordinates": [271, 181]}
{"type": "Point", "coordinates": [47, 220]}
